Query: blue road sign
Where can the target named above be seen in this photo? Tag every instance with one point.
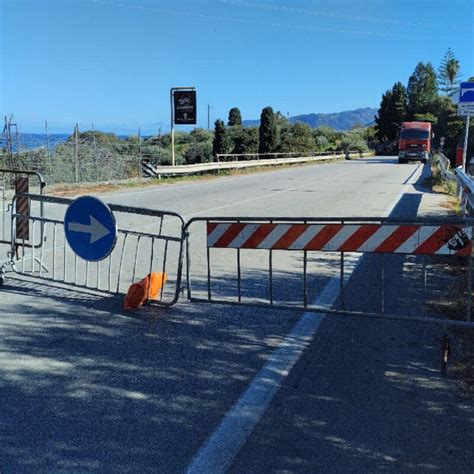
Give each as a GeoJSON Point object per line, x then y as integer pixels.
{"type": "Point", "coordinates": [90, 228]}
{"type": "Point", "coordinates": [466, 99]}
{"type": "Point", "coordinates": [466, 93]}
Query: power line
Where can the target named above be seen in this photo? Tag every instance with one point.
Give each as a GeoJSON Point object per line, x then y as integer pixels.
{"type": "Point", "coordinates": [265, 23]}
{"type": "Point", "coordinates": [343, 16]}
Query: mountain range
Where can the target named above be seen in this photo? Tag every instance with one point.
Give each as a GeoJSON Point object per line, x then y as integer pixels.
{"type": "Point", "coordinates": [339, 120]}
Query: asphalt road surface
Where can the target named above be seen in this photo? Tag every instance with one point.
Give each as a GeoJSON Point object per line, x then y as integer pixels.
{"type": "Point", "coordinates": [86, 387]}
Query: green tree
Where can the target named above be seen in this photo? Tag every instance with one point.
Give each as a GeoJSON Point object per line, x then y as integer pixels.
{"type": "Point", "coordinates": [234, 117]}
{"type": "Point", "coordinates": [422, 90]}
{"type": "Point", "coordinates": [280, 120]}
{"type": "Point", "coordinates": [391, 114]}
{"type": "Point", "coordinates": [198, 153]}
{"type": "Point", "coordinates": [369, 135]}
{"type": "Point", "coordinates": [322, 143]}
{"type": "Point", "coordinates": [353, 140]}
{"type": "Point", "coordinates": [297, 138]}
{"type": "Point", "coordinates": [449, 73]}
{"type": "Point", "coordinates": [268, 131]}
{"type": "Point", "coordinates": [220, 142]}
{"type": "Point", "coordinates": [245, 140]}
{"type": "Point", "coordinates": [448, 126]}
{"type": "Point", "coordinates": [428, 117]}
{"type": "Point", "coordinates": [199, 135]}
{"type": "Point", "coordinates": [326, 138]}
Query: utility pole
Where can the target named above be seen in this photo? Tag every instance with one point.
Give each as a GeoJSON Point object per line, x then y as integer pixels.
{"type": "Point", "coordinates": [76, 153]}
{"type": "Point", "coordinates": [96, 161]}
{"type": "Point", "coordinates": [208, 116]}
{"type": "Point", "coordinates": [139, 151]}
{"type": "Point", "coordinates": [8, 139]}
{"type": "Point", "coordinates": [48, 154]}
{"type": "Point", "coordinates": [47, 136]}
{"type": "Point", "coordinates": [464, 149]}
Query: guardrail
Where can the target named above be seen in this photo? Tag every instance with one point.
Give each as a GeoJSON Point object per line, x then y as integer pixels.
{"type": "Point", "coordinates": [157, 171]}
{"type": "Point", "coordinates": [445, 166]}
{"type": "Point", "coordinates": [464, 181]}
{"type": "Point", "coordinates": [465, 190]}
{"type": "Point", "coordinates": [281, 155]}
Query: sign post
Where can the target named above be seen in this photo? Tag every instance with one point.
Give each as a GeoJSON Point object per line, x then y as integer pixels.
{"type": "Point", "coordinates": [183, 111]}
{"type": "Point", "coordinates": [466, 109]}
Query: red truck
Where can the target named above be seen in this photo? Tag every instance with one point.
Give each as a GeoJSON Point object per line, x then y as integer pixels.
{"type": "Point", "coordinates": [415, 142]}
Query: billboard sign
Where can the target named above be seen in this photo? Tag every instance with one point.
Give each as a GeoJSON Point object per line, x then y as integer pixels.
{"type": "Point", "coordinates": [184, 107]}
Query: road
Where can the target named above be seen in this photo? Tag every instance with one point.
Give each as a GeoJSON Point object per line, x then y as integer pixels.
{"type": "Point", "coordinates": [89, 388]}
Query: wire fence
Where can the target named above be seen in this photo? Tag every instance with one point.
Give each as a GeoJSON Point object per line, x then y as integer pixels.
{"type": "Point", "coordinates": [79, 158]}
{"type": "Point", "coordinates": [76, 162]}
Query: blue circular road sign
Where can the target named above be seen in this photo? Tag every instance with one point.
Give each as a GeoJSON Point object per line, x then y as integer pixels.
{"type": "Point", "coordinates": [90, 228]}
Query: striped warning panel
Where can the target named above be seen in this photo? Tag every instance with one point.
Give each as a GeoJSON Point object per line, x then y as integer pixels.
{"type": "Point", "coordinates": [378, 238]}
{"type": "Point", "coordinates": [23, 209]}
{"type": "Point", "coordinates": [149, 170]}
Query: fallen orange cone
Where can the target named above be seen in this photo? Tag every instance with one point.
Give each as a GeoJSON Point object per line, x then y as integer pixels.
{"type": "Point", "coordinates": [144, 290]}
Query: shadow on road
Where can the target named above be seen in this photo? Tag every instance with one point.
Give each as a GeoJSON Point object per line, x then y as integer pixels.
{"type": "Point", "coordinates": [88, 388]}
{"type": "Point", "coordinates": [85, 389]}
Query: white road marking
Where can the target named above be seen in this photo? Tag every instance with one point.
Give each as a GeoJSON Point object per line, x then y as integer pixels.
{"type": "Point", "coordinates": [220, 449]}
{"type": "Point", "coordinates": [263, 196]}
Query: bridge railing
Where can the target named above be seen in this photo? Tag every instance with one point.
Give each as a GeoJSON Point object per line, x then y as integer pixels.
{"type": "Point", "coordinates": [465, 184]}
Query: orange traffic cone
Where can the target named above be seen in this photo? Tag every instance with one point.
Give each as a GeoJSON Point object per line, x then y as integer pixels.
{"type": "Point", "coordinates": [144, 290]}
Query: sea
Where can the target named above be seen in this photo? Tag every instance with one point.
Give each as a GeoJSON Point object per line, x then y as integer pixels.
{"type": "Point", "coordinates": [30, 141]}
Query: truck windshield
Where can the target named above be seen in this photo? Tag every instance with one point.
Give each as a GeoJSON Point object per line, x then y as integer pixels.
{"type": "Point", "coordinates": [414, 134]}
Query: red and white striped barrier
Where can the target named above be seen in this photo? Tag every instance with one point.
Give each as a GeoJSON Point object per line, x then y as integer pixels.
{"type": "Point", "coordinates": [378, 238]}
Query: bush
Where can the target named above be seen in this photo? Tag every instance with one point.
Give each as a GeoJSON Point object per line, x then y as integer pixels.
{"type": "Point", "coordinates": [198, 153]}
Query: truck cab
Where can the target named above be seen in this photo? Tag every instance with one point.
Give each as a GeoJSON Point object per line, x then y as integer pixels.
{"type": "Point", "coordinates": [415, 142]}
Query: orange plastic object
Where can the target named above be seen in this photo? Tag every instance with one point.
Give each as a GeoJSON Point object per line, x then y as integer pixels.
{"type": "Point", "coordinates": [146, 289]}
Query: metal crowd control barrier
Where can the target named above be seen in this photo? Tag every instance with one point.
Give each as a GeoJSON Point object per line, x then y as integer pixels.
{"type": "Point", "coordinates": [283, 263]}
{"type": "Point", "coordinates": [12, 182]}
{"type": "Point", "coordinates": [154, 242]}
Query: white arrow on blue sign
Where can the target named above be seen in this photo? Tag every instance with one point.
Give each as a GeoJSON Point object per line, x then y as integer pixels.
{"type": "Point", "coordinates": [90, 228]}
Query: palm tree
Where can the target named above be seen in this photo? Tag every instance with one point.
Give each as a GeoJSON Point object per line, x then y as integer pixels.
{"type": "Point", "coordinates": [448, 73]}
{"type": "Point", "coordinates": [452, 72]}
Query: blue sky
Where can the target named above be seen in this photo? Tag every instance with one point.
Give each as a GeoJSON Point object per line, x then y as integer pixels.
{"type": "Point", "coordinates": [112, 62]}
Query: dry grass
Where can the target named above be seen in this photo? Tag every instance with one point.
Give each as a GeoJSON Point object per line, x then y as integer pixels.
{"type": "Point", "coordinates": [440, 186]}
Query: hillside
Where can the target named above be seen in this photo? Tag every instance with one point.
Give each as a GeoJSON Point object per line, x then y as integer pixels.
{"type": "Point", "coordinates": [340, 120]}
